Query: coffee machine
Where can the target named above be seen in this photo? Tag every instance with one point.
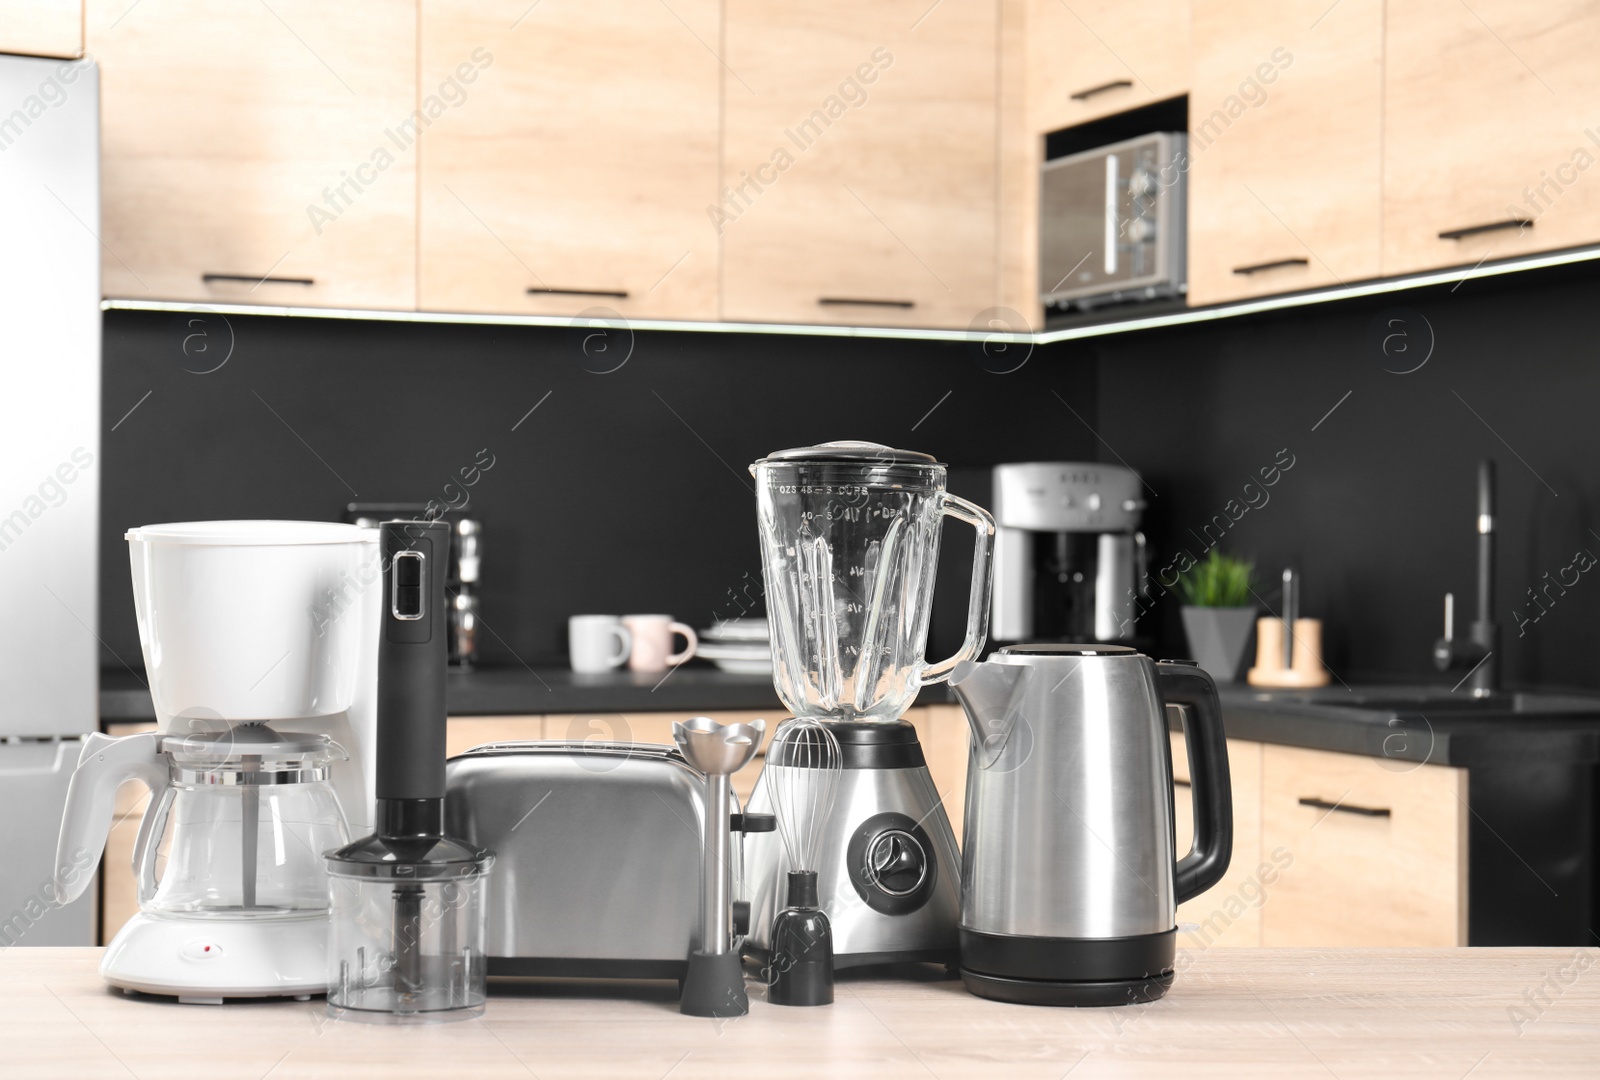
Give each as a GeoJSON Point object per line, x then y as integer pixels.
{"type": "Point", "coordinates": [259, 642]}
{"type": "Point", "coordinates": [850, 545]}
{"type": "Point", "coordinates": [1069, 559]}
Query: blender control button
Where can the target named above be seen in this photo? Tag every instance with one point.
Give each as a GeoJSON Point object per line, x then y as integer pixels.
{"type": "Point", "coordinates": [202, 950]}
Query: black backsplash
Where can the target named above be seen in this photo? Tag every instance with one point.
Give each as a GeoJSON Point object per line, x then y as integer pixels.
{"type": "Point", "coordinates": [627, 491]}
{"type": "Point", "coordinates": [1378, 512]}
{"type": "Point", "coordinates": [620, 492]}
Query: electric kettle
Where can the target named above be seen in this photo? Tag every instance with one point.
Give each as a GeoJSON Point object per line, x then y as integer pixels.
{"type": "Point", "coordinates": [1070, 882]}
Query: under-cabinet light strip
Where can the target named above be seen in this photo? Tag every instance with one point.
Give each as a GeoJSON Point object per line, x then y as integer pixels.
{"type": "Point", "coordinates": [1044, 337]}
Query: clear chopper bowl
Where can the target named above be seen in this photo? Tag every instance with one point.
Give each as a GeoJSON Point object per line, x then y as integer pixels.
{"type": "Point", "coordinates": [850, 544]}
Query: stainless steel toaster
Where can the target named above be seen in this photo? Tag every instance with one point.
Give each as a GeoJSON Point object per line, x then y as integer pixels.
{"type": "Point", "coordinates": [597, 845]}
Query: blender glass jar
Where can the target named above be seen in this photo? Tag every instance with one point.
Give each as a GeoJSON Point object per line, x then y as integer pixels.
{"type": "Point", "coordinates": [251, 811]}
{"type": "Point", "coordinates": [850, 543]}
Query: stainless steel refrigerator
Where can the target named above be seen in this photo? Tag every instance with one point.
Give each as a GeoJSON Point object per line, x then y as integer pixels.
{"type": "Point", "coordinates": [49, 475]}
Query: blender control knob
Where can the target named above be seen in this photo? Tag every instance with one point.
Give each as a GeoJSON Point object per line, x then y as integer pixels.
{"type": "Point", "coordinates": [897, 863]}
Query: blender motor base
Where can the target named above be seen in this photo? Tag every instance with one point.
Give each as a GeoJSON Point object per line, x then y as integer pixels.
{"type": "Point", "coordinates": [1063, 993]}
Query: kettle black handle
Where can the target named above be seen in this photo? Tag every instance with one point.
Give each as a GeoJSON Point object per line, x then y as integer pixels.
{"type": "Point", "coordinates": [1185, 684]}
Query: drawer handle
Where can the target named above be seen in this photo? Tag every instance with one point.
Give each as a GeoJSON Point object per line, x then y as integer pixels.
{"type": "Point", "coordinates": [857, 301]}
{"type": "Point", "coordinates": [1346, 808]}
{"type": "Point", "coordinates": [252, 279]}
{"type": "Point", "coordinates": [1181, 783]}
{"type": "Point", "coordinates": [614, 294]}
{"type": "Point", "coordinates": [1493, 226]}
{"type": "Point", "coordinates": [1115, 84]}
{"type": "Point", "coordinates": [1275, 264]}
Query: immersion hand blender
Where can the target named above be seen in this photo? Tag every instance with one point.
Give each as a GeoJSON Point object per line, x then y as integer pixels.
{"type": "Point", "coordinates": [408, 920]}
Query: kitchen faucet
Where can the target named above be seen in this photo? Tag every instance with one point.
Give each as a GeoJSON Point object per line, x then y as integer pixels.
{"type": "Point", "coordinates": [1476, 654]}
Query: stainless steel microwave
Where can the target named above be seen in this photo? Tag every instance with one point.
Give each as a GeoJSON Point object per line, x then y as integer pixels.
{"type": "Point", "coordinates": [1112, 223]}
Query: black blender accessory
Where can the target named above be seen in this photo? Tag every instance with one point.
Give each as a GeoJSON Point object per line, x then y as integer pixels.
{"type": "Point", "coordinates": [408, 918]}
{"type": "Point", "coordinates": [802, 776]}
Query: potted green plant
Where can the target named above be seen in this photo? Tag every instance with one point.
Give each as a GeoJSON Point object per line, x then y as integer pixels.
{"type": "Point", "coordinates": [1219, 612]}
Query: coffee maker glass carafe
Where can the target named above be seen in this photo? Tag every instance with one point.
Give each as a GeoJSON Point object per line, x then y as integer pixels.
{"type": "Point", "coordinates": [850, 542]}
{"type": "Point", "coordinates": [250, 811]}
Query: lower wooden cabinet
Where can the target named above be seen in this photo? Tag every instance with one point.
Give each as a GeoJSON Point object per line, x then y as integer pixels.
{"type": "Point", "coordinates": [1376, 850]}
{"type": "Point", "coordinates": [1228, 913]}
{"type": "Point", "coordinates": [1329, 849]}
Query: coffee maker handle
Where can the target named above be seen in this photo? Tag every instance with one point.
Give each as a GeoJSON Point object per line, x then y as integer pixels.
{"type": "Point", "coordinates": [978, 597]}
{"type": "Point", "coordinates": [104, 763]}
{"type": "Point", "coordinates": [1183, 683]}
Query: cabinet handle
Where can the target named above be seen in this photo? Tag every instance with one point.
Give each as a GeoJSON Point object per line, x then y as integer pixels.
{"type": "Point", "coordinates": [1115, 84]}
{"type": "Point", "coordinates": [1256, 268]}
{"type": "Point", "coordinates": [1345, 808]}
{"type": "Point", "coordinates": [1181, 783]}
{"type": "Point", "coordinates": [254, 279]}
{"type": "Point", "coordinates": [856, 301]}
{"type": "Point", "coordinates": [614, 294]}
{"type": "Point", "coordinates": [1493, 226]}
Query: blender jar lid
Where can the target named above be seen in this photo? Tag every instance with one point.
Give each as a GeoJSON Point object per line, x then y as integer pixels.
{"type": "Point", "coordinates": [251, 533]}
{"type": "Point", "coordinates": [851, 451]}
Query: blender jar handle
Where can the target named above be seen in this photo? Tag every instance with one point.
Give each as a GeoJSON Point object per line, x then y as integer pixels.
{"type": "Point", "coordinates": [978, 598]}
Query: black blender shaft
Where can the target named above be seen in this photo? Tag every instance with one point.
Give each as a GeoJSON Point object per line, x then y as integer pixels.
{"type": "Point", "coordinates": [413, 650]}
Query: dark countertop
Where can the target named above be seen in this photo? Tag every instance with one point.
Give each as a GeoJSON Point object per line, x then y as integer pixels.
{"type": "Point", "coordinates": [1443, 732]}
{"type": "Point", "coordinates": [1317, 720]}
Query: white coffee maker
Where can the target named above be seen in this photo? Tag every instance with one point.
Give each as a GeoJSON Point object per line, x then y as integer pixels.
{"type": "Point", "coordinates": [260, 646]}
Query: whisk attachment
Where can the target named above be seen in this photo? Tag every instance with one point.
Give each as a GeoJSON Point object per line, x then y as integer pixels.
{"type": "Point", "coordinates": [802, 778]}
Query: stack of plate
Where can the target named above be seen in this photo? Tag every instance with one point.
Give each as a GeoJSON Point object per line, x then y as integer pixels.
{"type": "Point", "coordinates": [738, 646]}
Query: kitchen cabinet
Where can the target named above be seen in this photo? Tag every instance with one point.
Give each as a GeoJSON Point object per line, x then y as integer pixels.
{"type": "Point", "coordinates": [946, 744]}
{"type": "Point", "coordinates": [1489, 121]}
{"type": "Point", "coordinates": [1090, 58]}
{"type": "Point", "coordinates": [1377, 850]}
{"type": "Point", "coordinates": [119, 890]}
{"type": "Point", "coordinates": [259, 154]}
{"type": "Point", "coordinates": [1285, 143]}
{"type": "Point", "coordinates": [42, 28]}
{"type": "Point", "coordinates": [1228, 913]}
{"type": "Point", "coordinates": [576, 166]}
{"type": "Point", "coordinates": [858, 171]}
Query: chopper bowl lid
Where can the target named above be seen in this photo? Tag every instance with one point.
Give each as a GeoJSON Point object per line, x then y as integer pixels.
{"type": "Point", "coordinates": [252, 533]}
{"type": "Point", "coordinates": [850, 451]}
{"type": "Point", "coordinates": [408, 858]}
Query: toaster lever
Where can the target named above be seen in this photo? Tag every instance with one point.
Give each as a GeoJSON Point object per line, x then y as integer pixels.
{"type": "Point", "coordinates": [749, 823]}
{"type": "Point", "coordinates": [741, 918]}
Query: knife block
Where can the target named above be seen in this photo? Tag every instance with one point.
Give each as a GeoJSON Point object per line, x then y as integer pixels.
{"type": "Point", "coordinates": [1305, 672]}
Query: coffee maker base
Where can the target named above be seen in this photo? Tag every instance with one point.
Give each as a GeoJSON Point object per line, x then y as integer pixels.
{"type": "Point", "coordinates": [1031, 970]}
{"type": "Point", "coordinates": [1078, 994]}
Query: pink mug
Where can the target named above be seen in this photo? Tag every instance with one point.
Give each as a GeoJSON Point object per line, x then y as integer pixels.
{"type": "Point", "coordinates": [652, 642]}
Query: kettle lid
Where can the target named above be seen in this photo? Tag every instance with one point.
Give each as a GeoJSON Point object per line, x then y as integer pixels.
{"type": "Point", "coordinates": [1051, 648]}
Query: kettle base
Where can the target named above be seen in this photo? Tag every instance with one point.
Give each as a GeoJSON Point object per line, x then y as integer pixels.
{"type": "Point", "coordinates": [1067, 993]}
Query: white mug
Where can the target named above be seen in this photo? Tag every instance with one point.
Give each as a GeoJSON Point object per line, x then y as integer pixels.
{"type": "Point", "coordinates": [652, 642]}
{"type": "Point", "coordinates": [597, 643]}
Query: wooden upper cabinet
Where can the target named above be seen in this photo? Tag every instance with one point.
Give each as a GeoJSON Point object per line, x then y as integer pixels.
{"type": "Point", "coordinates": [1490, 120]}
{"type": "Point", "coordinates": [42, 28]}
{"type": "Point", "coordinates": [258, 154]}
{"type": "Point", "coordinates": [859, 162]}
{"type": "Point", "coordinates": [578, 167]}
{"type": "Point", "coordinates": [1285, 143]}
{"type": "Point", "coordinates": [1091, 58]}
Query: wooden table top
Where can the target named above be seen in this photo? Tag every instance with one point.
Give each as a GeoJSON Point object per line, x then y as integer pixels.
{"type": "Point", "coordinates": [1450, 1013]}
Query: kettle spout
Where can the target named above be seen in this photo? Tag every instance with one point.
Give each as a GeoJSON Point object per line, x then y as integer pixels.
{"type": "Point", "coordinates": [989, 693]}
